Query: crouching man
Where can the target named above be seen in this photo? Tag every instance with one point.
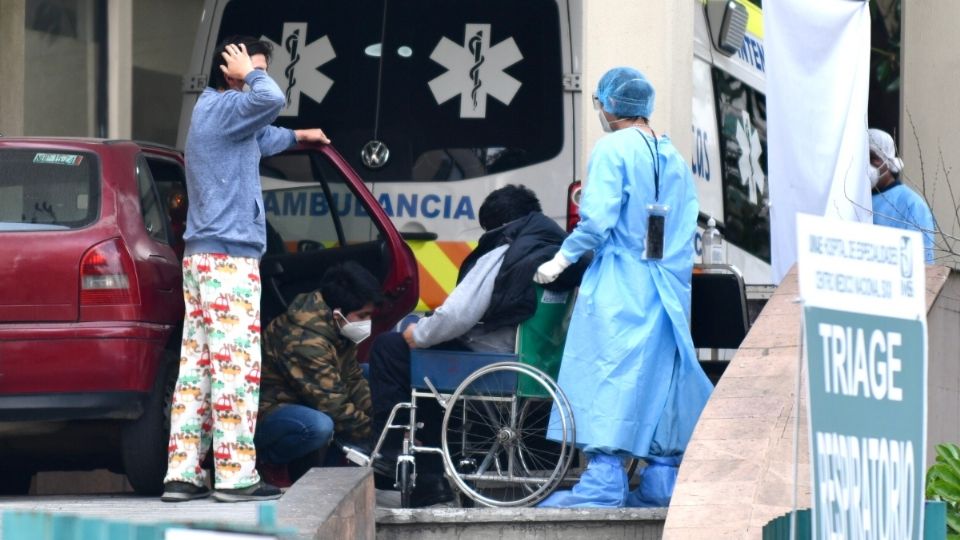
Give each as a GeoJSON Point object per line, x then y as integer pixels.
{"type": "Point", "coordinates": [312, 384]}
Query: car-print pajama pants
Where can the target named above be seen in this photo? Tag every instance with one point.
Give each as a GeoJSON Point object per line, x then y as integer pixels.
{"type": "Point", "coordinates": [218, 390]}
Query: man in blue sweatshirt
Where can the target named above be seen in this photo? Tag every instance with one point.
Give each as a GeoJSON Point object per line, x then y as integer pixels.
{"type": "Point", "coordinates": [216, 398]}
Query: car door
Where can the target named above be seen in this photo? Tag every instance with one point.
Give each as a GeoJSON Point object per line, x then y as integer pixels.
{"type": "Point", "coordinates": [320, 213]}
{"type": "Point", "coordinates": [160, 178]}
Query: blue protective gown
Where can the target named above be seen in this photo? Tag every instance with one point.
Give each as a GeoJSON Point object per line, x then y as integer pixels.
{"type": "Point", "coordinates": [629, 367]}
{"type": "Point", "coordinates": [899, 206]}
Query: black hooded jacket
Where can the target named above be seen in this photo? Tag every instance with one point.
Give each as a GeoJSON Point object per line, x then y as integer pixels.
{"type": "Point", "coordinates": [534, 239]}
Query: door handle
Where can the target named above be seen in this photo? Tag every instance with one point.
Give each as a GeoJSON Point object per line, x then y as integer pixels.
{"type": "Point", "coordinates": [424, 236]}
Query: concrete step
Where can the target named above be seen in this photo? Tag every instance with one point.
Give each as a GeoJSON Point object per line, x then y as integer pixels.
{"type": "Point", "coordinates": [520, 523]}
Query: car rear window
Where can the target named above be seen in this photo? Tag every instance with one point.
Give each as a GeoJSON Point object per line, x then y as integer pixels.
{"type": "Point", "coordinates": [48, 190]}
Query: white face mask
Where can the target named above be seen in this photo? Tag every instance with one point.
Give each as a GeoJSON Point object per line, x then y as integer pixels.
{"type": "Point", "coordinates": [873, 173]}
{"type": "Point", "coordinates": [604, 123]}
{"type": "Point", "coordinates": [354, 331]}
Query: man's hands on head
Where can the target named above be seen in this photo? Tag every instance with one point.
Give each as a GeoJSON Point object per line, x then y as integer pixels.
{"type": "Point", "coordinates": [311, 135]}
{"type": "Point", "coordinates": [238, 61]}
{"type": "Point", "coordinates": [408, 335]}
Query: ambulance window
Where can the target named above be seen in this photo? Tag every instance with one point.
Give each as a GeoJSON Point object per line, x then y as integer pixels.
{"type": "Point", "coordinates": [455, 90]}
{"type": "Point", "coordinates": [309, 206]}
{"type": "Point", "coordinates": [742, 125]}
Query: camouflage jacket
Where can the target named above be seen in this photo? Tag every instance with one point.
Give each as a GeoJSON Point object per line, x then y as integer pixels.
{"type": "Point", "coordinates": [307, 362]}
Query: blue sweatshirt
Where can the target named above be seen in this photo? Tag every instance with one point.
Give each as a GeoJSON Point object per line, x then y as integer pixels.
{"type": "Point", "coordinates": [229, 131]}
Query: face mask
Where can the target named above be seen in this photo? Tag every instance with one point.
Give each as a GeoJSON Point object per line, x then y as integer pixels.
{"type": "Point", "coordinates": [354, 331]}
{"type": "Point", "coordinates": [604, 123]}
{"type": "Point", "coordinates": [873, 173]}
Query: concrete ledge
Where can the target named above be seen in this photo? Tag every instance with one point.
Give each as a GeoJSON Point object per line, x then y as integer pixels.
{"type": "Point", "coordinates": [325, 503]}
{"type": "Point", "coordinates": [525, 523]}
{"type": "Point", "coordinates": [330, 503]}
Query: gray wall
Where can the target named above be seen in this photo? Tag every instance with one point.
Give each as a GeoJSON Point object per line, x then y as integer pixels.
{"type": "Point", "coordinates": [930, 111]}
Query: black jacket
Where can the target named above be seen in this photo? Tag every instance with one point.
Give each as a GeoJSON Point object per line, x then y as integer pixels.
{"type": "Point", "coordinates": [534, 239]}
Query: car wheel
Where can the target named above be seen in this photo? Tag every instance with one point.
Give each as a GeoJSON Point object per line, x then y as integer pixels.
{"type": "Point", "coordinates": [16, 479]}
{"type": "Point", "coordinates": [143, 442]}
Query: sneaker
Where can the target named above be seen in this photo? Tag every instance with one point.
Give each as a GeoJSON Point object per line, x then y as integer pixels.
{"type": "Point", "coordinates": [183, 491]}
{"type": "Point", "coordinates": [261, 491]}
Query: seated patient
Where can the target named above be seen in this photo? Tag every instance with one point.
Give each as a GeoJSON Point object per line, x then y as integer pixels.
{"type": "Point", "coordinates": [494, 293]}
{"type": "Point", "coordinates": [312, 385]}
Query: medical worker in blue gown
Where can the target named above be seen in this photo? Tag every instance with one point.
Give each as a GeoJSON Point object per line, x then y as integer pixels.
{"type": "Point", "coordinates": [894, 204]}
{"type": "Point", "coordinates": [629, 368]}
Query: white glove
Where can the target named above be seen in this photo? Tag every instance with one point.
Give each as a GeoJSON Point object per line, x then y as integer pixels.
{"type": "Point", "coordinates": [550, 270]}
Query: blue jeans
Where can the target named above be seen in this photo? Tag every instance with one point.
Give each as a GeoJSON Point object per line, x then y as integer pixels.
{"type": "Point", "coordinates": [292, 431]}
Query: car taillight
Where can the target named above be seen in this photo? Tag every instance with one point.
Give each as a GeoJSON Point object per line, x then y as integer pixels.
{"type": "Point", "coordinates": [107, 276]}
{"type": "Point", "coordinates": [573, 204]}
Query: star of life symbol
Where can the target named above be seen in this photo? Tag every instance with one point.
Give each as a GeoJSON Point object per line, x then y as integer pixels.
{"type": "Point", "coordinates": [475, 71]}
{"type": "Point", "coordinates": [295, 66]}
{"type": "Point", "coordinates": [751, 175]}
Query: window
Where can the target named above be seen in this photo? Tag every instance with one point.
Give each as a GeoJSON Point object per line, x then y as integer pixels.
{"type": "Point", "coordinates": [65, 68]}
{"type": "Point", "coordinates": [742, 125]}
{"type": "Point", "coordinates": [150, 207]}
{"type": "Point", "coordinates": [309, 206]}
{"type": "Point", "coordinates": [169, 178]}
{"type": "Point", "coordinates": [48, 189]}
{"type": "Point", "coordinates": [505, 114]}
{"type": "Point", "coordinates": [163, 35]}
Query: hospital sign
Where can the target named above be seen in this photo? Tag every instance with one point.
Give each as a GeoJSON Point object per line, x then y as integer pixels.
{"type": "Point", "coordinates": [863, 293]}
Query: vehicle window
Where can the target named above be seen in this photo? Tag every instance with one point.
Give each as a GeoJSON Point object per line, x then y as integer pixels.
{"type": "Point", "coordinates": [171, 184]}
{"type": "Point", "coordinates": [742, 125]}
{"type": "Point", "coordinates": [309, 206]}
{"type": "Point", "coordinates": [48, 189]}
{"type": "Point", "coordinates": [153, 212]}
{"type": "Point", "coordinates": [467, 88]}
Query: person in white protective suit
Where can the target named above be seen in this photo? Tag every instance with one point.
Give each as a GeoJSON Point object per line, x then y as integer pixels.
{"type": "Point", "coordinates": [629, 368]}
{"type": "Point", "coordinates": [894, 204]}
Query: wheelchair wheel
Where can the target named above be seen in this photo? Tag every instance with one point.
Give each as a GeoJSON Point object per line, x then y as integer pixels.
{"type": "Point", "coordinates": [405, 482]}
{"type": "Point", "coordinates": [495, 445]}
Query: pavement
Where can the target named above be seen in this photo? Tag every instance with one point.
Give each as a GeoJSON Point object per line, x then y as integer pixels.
{"type": "Point", "coordinates": [342, 503]}
{"type": "Point", "coordinates": [325, 503]}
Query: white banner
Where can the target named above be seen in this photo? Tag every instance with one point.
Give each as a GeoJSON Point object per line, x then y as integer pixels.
{"type": "Point", "coordinates": [818, 68]}
{"type": "Point", "coordinates": [859, 268]}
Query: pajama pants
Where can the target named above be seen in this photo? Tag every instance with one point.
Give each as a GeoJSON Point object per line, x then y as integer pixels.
{"type": "Point", "coordinates": [218, 390]}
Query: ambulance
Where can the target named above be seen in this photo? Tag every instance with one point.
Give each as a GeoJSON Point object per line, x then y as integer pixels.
{"type": "Point", "coordinates": [437, 103]}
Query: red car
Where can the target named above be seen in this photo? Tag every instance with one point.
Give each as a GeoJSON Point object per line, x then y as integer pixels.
{"type": "Point", "coordinates": [90, 290]}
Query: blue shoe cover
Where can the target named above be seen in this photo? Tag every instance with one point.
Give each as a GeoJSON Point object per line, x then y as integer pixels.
{"type": "Point", "coordinates": [603, 485]}
{"type": "Point", "coordinates": [657, 483]}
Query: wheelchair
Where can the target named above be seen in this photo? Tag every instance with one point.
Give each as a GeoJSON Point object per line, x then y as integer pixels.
{"type": "Point", "coordinates": [507, 431]}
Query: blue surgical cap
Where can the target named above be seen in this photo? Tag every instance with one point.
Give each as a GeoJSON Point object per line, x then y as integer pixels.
{"type": "Point", "coordinates": [626, 93]}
